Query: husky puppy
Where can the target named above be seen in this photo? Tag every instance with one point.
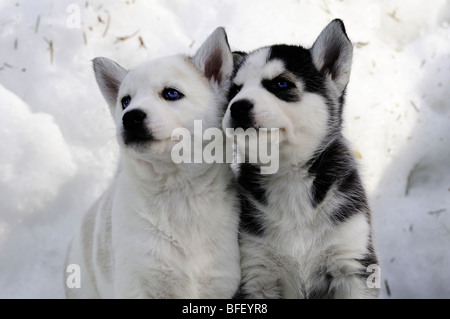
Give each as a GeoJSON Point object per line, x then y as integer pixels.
{"type": "Point", "coordinates": [162, 230]}
{"type": "Point", "coordinates": [306, 229]}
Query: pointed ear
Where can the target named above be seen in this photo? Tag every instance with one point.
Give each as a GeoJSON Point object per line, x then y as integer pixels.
{"type": "Point", "coordinates": [109, 76]}
{"type": "Point", "coordinates": [214, 58]}
{"type": "Point", "coordinates": [332, 54]}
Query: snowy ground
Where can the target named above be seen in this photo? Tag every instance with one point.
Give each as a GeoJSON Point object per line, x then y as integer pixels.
{"type": "Point", "coordinates": [58, 149]}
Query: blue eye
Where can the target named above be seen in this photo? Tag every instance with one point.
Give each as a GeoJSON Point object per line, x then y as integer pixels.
{"type": "Point", "coordinates": [282, 84]}
{"type": "Point", "coordinates": [126, 100]}
{"type": "Point", "coordinates": [171, 94]}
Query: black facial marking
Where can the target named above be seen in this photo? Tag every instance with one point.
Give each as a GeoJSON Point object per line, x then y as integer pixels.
{"type": "Point", "coordinates": [238, 59]}
{"type": "Point", "coordinates": [233, 91]}
{"type": "Point", "coordinates": [298, 61]}
{"type": "Point", "coordinates": [282, 88]}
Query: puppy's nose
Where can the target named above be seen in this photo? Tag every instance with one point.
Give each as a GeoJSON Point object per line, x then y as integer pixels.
{"type": "Point", "coordinates": [135, 130]}
{"type": "Point", "coordinates": [133, 119]}
{"type": "Point", "coordinates": [241, 115]}
{"type": "Point", "coordinates": [240, 108]}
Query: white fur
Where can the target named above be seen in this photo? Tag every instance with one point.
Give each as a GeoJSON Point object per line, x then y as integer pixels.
{"type": "Point", "coordinates": [162, 230]}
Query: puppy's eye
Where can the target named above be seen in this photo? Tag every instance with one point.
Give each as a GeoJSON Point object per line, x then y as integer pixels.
{"type": "Point", "coordinates": [282, 84]}
{"type": "Point", "coordinates": [126, 100]}
{"type": "Point", "coordinates": [234, 90]}
{"type": "Point", "coordinates": [170, 94]}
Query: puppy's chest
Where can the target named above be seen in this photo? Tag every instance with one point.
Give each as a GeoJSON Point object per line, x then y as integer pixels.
{"type": "Point", "coordinates": [186, 214]}
{"type": "Point", "coordinates": [288, 205]}
{"type": "Point", "coordinates": [296, 234]}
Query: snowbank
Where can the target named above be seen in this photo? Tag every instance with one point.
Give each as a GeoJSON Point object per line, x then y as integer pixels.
{"type": "Point", "coordinates": [58, 139]}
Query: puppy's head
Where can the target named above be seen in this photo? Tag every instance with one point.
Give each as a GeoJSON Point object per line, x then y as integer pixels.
{"type": "Point", "coordinates": [152, 100]}
{"type": "Point", "coordinates": [296, 90]}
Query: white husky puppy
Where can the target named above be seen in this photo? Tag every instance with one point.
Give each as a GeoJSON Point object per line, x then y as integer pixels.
{"type": "Point", "coordinates": [162, 230]}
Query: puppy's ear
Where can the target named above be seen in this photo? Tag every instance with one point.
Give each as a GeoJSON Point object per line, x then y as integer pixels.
{"type": "Point", "coordinates": [109, 76]}
{"type": "Point", "coordinates": [332, 54]}
{"type": "Point", "coordinates": [214, 59]}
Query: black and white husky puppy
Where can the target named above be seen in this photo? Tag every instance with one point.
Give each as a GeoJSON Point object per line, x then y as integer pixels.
{"type": "Point", "coordinates": [306, 229]}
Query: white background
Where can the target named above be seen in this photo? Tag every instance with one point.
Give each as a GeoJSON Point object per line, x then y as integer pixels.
{"type": "Point", "coordinates": [57, 139]}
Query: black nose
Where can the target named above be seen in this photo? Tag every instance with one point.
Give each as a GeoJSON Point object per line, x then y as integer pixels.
{"type": "Point", "coordinates": [134, 128]}
{"type": "Point", "coordinates": [241, 115]}
{"type": "Point", "coordinates": [133, 119]}
{"type": "Point", "coordinates": [240, 108]}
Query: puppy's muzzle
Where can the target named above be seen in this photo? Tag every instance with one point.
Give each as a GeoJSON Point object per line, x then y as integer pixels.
{"type": "Point", "coordinates": [241, 113]}
{"type": "Point", "coordinates": [134, 128]}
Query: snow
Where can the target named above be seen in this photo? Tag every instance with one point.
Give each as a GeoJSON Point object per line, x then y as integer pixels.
{"type": "Point", "coordinates": [58, 149]}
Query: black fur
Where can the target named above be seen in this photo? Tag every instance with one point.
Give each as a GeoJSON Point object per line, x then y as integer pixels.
{"type": "Point", "coordinates": [251, 185]}
{"type": "Point", "coordinates": [250, 221]}
{"type": "Point", "coordinates": [351, 188]}
{"type": "Point", "coordinates": [341, 108]}
{"type": "Point", "coordinates": [233, 91]}
{"type": "Point", "coordinates": [240, 294]}
{"type": "Point", "coordinates": [342, 25]}
{"type": "Point", "coordinates": [321, 288]}
{"type": "Point", "coordinates": [369, 259]}
{"type": "Point", "coordinates": [239, 58]}
{"type": "Point", "coordinates": [252, 181]}
{"type": "Point", "coordinates": [335, 166]}
{"type": "Point", "coordinates": [290, 93]}
{"type": "Point", "coordinates": [326, 167]}
{"type": "Point", "coordinates": [298, 60]}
